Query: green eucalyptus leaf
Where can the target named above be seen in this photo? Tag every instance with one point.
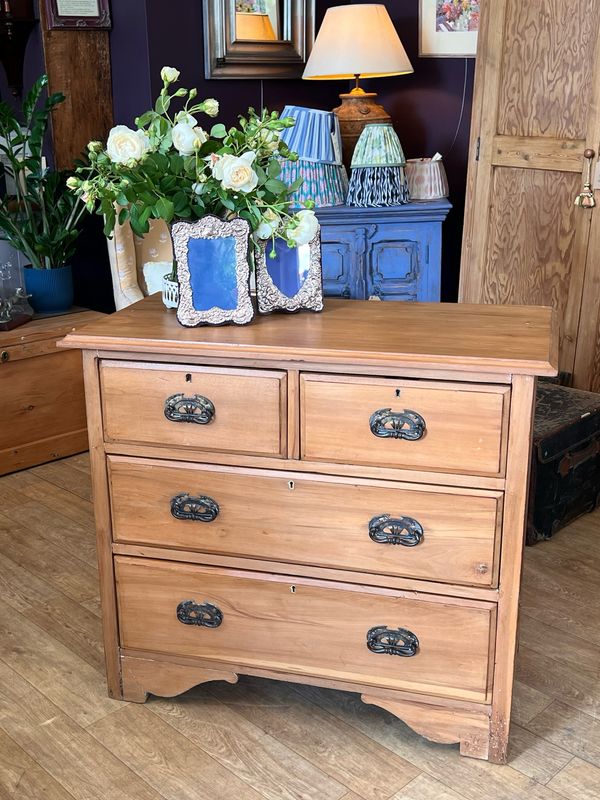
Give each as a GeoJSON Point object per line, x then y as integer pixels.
{"type": "Point", "coordinates": [162, 104]}
{"type": "Point", "coordinates": [218, 131]}
{"type": "Point", "coordinates": [163, 209]}
{"type": "Point", "coordinates": [274, 168]}
{"type": "Point", "coordinates": [276, 186]}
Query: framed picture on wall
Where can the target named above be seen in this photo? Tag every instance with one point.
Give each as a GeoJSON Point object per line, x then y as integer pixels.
{"type": "Point", "coordinates": [77, 14]}
{"type": "Point", "coordinates": [448, 28]}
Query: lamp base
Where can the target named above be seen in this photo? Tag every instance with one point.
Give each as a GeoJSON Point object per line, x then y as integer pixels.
{"type": "Point", "coordinates": [357, 110]}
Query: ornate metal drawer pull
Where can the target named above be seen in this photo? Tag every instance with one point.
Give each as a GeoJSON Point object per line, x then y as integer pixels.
{"type": "Point", "coordinates": [186, 506]}
{"type": "Point", "coordinates": [392, 642]}
{"type": "Point", "coordinates": [179, 408]}
{"type": "Point", "coordinates": [406, 531]}
{"type": "Point", "coordinates": [204, 614]}
{"type": "Point", "coordinates": [388, 424]}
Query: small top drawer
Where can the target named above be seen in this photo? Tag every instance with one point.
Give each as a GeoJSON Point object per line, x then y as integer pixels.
{"type": "Point", "coordinates": [445, 427]}
{"type": "Point", "coordinates": [207, 408]}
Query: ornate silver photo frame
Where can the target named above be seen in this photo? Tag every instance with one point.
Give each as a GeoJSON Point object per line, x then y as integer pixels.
{"type": "Point", "coordinates": [213, 271]}
{"type": "Point", "coordinates": [291, 281]}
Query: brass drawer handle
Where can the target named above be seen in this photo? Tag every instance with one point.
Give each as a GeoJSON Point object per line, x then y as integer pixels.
{"type": "Point", "coordinates": [201, 508]}
{"type": "Point", "coordinates": [388, 424]}
{"type": "Point", "coordinates": [179, 408]}
{"type": "Point", "coordinates": [406, 531]}
{"type": "Point", "coordinates": [392, 642]}
{"type": "Point", "coordinates": [206, 615]}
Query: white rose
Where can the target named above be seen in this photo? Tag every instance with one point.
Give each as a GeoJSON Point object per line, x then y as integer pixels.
{"type": "Point", "coordinates": [306, 229]}
{"type": "Point", "coordinates": [169, 74]}
{"type": "Point", "coordinates": [238, 173]}
{"type": "Point", "coordinates": [187, 138]}
{"type": "Point", "coordinates": [216, 165]}
{"type": "Point", "coordinates": [184, 116]}
{"type": "Point", "coordinates": [270, 139]}
{"type": "Point", "coordinates": [126, 145]}
{"type": "Point", "coordinates": [268, 225]}
{"type": "Point", "coordinates": [201, 137]}
{"type": "Point", "coordinates": [211, 107]}
{"type": "Point", "coordinates": [264, 231]}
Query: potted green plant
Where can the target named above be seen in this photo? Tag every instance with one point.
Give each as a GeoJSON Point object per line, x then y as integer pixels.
{"type": "Point", "coordinates": [39, 216]}
{"type": "Point", "coordinates": [169, 167]}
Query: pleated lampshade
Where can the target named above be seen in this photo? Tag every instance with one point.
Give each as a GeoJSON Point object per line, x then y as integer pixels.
{"type": "Point", "coordinates": [316, 139]}
{"type": "Point", "coordinates": [378, 177]}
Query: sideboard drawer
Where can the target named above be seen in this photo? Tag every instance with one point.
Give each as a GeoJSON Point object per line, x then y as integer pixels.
{"type": "Point", "coordinates": [308, 627]}
{"type": "Point", "coordinates": [383, 528]}
{"type": "Point", "coordinates": [230, 410]}
{"type": "Point", "coordinates": [446, 427]}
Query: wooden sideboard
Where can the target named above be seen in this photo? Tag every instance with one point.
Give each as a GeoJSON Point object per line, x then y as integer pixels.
{"type": "Point", "coordinates": [42, 407]}
{"type": "Point", "coordinates": [390, 253]}
{"type": "Point", "coordinates": [333, 498]}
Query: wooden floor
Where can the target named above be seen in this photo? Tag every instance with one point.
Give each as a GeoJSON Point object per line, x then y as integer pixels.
{"type": "Point", "coordinates": [62, 738]}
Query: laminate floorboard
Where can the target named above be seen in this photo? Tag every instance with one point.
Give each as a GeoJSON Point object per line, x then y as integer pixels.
{"type": "Point", "coordinates": [61, 738]}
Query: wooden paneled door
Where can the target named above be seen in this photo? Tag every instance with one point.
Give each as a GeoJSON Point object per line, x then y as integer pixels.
{"type": "Point", "coordinates": [536, 110]}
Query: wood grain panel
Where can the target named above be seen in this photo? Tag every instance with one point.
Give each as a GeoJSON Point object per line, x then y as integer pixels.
{"type": "Point", "coordinates": [587, 362]}
{"type": "Point", "coordinates": [78, 64]}
{"type": "Point", "coordinates": [534, 256]}
{"type": "Point", "coordinates": [465, 423]}
{"type": "Point", "coordinates": [250, 409]}
{"type": "Point", "coordinates": [309, 628]}
{"type": "Point", "coordinates": [538, 152]}
{"type": "Point", "coordinates": [547, 68]}
{"type": "Point", "coordinates": [308, 519]}
{"type": "Point", "coordinates": [384, 336]}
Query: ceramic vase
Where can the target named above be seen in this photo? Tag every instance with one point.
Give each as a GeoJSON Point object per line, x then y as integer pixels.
{"type": "Point", "coordinates": [51, 290]}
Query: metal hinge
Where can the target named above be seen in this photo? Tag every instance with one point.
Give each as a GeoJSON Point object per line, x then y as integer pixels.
{"type": "Point", "coordinates": [478, 147]}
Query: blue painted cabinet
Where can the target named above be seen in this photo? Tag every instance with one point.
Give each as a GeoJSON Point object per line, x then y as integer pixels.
{"type": "Point", "coordinates": [390, 253]}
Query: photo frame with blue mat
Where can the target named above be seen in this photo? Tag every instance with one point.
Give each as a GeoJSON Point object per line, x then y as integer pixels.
{"type": "Point", "coordinates": [213, 271]}
{"type": "Point", "coordinates": [292, 280]}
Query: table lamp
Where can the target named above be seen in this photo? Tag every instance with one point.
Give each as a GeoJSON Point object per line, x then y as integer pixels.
{"type": "Point", "coordinates": [253, 27]}
{"type": "Point", "coordinates": [357, 41]}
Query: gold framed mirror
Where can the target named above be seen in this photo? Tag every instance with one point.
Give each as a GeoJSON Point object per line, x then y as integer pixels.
{"type": "Point", "coordinates": [257, 38]}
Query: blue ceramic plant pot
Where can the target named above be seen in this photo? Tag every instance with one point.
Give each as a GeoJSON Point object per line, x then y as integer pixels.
{"type": "Point", "coordinates": [51, 290]}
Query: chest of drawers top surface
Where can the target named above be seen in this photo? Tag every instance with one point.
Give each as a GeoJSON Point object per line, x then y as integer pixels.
{"type": "Point", "coordinates": [514, 339]}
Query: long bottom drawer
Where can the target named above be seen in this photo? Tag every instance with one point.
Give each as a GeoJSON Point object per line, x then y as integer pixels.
{"type": "Point", "coordinates": [374, 637]}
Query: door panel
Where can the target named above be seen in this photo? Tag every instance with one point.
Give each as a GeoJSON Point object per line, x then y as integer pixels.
{"type": "Point", "coordinates": [393, 268]}
{"type": "Point", "coordinates": [536, 108]}
{"type": "Point", "coordinates": [547, 68]}
{"type": "Point", "coordinates": [339, 259]}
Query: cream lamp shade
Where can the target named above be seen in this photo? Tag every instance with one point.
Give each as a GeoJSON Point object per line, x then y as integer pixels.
{"type": "Point", "coordinates": [357, 40]}
{"type": "Point", "coordinates": [253, 27]}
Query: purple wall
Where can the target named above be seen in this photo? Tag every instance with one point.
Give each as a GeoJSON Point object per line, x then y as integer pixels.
{"type": "Point", "coordinates": [425, 106]}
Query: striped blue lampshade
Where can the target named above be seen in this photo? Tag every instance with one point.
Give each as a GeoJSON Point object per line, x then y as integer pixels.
{"type": "Point", "coordinates": [378, 177]}
{"type": "Point", "coordinates": [316, 139]}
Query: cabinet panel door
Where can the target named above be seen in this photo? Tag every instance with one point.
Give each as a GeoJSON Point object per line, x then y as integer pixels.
{"type": "Point", "coordinates": [340, 259]}
{"type": "Point", "coordinates": [397, 261]}
{"type": "Point", "coordinates": [536, 109]}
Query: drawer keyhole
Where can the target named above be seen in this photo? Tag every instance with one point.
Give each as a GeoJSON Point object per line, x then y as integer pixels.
{"type": "Point", "coordinates": [188, 377]}
{"type": "Point", "coordinates": [293, 589]}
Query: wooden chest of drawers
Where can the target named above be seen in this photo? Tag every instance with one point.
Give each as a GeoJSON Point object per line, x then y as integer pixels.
{"type": "Point", "coordinates": [335, 499]}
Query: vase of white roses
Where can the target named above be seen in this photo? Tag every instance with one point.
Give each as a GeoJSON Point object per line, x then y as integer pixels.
{"type": "Point", "coordinates": [170, 167]}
